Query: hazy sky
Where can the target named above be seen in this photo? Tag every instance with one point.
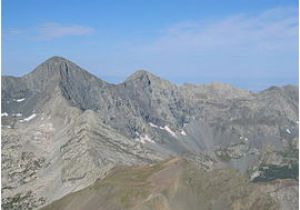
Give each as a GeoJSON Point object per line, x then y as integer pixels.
{"type": "Point", "coordinates": [251, 44]}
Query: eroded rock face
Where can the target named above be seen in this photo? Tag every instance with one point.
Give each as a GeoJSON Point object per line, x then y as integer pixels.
{"type": "Point", "coordinates": [63, 128]}
{"type": "Point", "coordinates": [23, 201]}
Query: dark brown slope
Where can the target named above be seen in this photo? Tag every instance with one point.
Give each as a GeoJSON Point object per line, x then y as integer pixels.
{"type": "Point", "coordinates": [170, 185]}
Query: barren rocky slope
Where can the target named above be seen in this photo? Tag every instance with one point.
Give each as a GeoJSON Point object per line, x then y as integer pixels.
{"type": "Point", "coordinates": [63, 128]}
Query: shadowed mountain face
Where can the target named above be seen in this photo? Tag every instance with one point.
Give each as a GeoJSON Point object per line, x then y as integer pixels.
{"type": "Point", "coordinates": [63, 128]}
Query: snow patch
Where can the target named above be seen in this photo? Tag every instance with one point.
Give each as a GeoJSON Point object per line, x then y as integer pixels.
{"type": "Point", "coordinates": [166, 128]}
{"type": "Point", "coordinates": [153, 125]}
{"type": "Point", "coordinates": [17, 115]}
{"type": "Point", "coordinates": [4, 114]}
{"type": "Point", "coordinates": [255, 175]}
{"type": "Point", "coordinates": [144, 139]}
{"type": "Point", "coordinates": [183, 133]}
{"type": "Point", "coordinates": [245, 138]}
{"type": "Point", "coordinates": [19, 100]}
{"type": "Point", "coordinates": [288, 131]}
{"type": "Point", "coordinates": [28, 118]}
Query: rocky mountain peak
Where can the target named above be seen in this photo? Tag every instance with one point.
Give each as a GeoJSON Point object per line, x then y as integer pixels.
{"type": "Point", "coordinates": [58, 70]}
{"type": "Point", "coordinates": [53, 66]}
{"type": "Point", "coordinates": [57, 59]}
{"type": "Point", "coordinates": [142, 76]}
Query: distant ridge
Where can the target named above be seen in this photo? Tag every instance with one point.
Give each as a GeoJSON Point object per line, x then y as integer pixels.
{"type": "Point", "coordinates": [139, 74]}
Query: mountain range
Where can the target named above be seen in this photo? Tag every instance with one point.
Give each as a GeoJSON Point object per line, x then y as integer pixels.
{"type": "Point", "coordinates": [66, 132]}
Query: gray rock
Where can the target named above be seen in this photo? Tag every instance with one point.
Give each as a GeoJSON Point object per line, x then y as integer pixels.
{"type": "Point", "coordinates": [63, 128]}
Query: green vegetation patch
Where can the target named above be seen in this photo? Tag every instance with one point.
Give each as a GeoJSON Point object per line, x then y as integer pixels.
{"type": "Point", "coordinates": [272, 172]}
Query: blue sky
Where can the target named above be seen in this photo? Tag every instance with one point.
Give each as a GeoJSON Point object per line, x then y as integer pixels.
{"type": "Point", "coordinates": [251, 44]}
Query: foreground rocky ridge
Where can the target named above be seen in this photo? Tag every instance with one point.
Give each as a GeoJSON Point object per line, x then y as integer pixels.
{"type": "Point", "coordinates": [170, 185]}
{"type": "Point", "coordinates": [63, 128]}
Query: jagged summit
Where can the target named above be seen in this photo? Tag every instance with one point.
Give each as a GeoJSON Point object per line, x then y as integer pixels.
{"type": "Point", "coordinates": [141, 75]}
{"type": "Point", "coordinates": [55, 65]}
{"type": "Point", "coordinates": [58, 70]}
{"type": "Point", "coordinates": [54, 59]}
{"type": "Point", "coordinates": [144, 78]}
{"type": "Point", "coordinates": [57, 59]}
